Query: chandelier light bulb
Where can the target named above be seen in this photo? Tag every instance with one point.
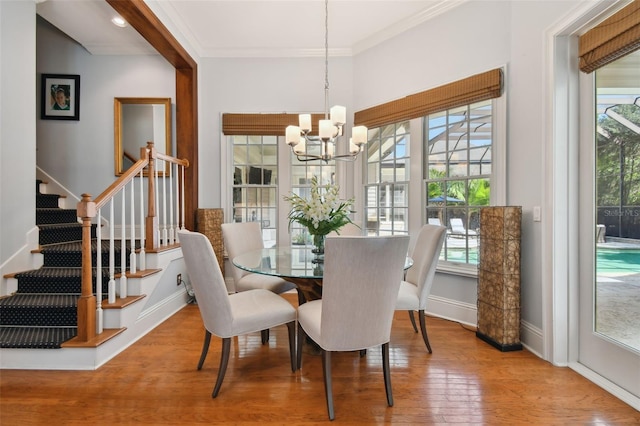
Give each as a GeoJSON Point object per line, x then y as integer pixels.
{"type": "Point", "coordinates": [292, 135]}
{"type": "Point", "coordinates": [305, 122]}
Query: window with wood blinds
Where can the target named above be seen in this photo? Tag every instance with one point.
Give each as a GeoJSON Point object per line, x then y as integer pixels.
{"type": "Point", "coordinates": [612, 39]}
{"type": "Point", "coordinates": [476, 88]}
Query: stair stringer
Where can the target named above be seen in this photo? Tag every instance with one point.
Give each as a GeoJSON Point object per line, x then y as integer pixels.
{"type": "Point", "coordinates": [67, 198]}
{"type": "Point", "coordinates": [163, 299]}
{"type": "Point", "coordinates": [22, 260]}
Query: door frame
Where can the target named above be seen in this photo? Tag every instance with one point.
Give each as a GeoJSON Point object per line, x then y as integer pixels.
{"type": "Point", "coordinates": [561, 236]}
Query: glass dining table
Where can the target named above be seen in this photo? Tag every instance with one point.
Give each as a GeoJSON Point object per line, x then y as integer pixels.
{"type": "Point", "coordinates": [296, 264]}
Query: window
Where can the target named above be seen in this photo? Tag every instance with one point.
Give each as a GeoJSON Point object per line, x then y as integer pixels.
{"type": "Point", "coordinates": [387, 181]}
{"type": "Point", "coordinates": [456, 173]}
{"type": "Point", "coordinates": [255, 174]}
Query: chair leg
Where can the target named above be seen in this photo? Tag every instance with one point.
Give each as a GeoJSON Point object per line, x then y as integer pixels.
{"type": "Point", "coordinates": [423, 327]}
{"type": "Point", "coordinates": [302, 336]}
{"type": "Point", "coordinates": [328, 388]}
{"type": "Point", "coordinates": [413, 320]}
{"type": "Point", "coordinates": [387, 373]}
{"type": "Point", "coordinates": [264, 335]}
{"type": "Point", "coordinates": [291, 326]}
{"type": "Point", "coordinates": [224, 360]}
{"type": "Point", "coordinates": [205, 348]}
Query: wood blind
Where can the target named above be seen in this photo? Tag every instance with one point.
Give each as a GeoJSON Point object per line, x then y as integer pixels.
{"type": "Point", "coordinates": [263, 124]}
{"type": "Point", "coordinates": [479, 87]}
{"type": "Point", "coordinates": [612, 39]}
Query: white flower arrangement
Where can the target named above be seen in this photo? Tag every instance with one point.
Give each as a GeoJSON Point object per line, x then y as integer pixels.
{"type": "Point", "coordinates": [323, 213]}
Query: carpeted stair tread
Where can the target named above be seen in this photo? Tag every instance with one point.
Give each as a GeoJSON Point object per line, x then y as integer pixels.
{"type": "Point", "coordinates": [54, 233]}
{"type": "Point", "coordinates": [58, 280]}
{"type": "Point", "coordinates": [71, 246]}
{"type": "Point", "coordinates": [41, 310]}
{"type": "Point", "coordinates": [41, 300]}
{"type": "Point", "coordinates": [47, 201]}
{"type": "Point", "coordinates": [70, 253]}
{"type": "Point", "coordinates": [35, 337]}
{"type": "Point", "coordinates": [56, 215]}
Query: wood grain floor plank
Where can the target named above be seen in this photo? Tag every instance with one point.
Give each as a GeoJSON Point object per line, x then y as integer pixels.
{"type": "Point", "coordinates": [464, 381]}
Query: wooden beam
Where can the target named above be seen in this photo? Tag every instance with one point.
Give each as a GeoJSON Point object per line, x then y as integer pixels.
{"type": "Point", "coordinates": [143, 20]}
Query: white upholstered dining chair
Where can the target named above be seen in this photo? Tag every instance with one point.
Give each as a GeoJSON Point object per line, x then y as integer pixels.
{"type": "Point", "coordinates": [226, 315]}
{"type": "Point", "coordinates": [359, 289]}
{"type": "Point", "coordinates": [350, 229]}
{"type": "Point", "coordinates": [243, 237]}
{"type": "Point", "coordinates": [416, 286]}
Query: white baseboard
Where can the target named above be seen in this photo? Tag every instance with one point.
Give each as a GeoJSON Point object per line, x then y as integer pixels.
{"type": "Point", "coordinates": [453, 310]}
{"type": "Point", "coordinates": [466, 313]}
{"type": "Point", "coordinates": [531, 338]}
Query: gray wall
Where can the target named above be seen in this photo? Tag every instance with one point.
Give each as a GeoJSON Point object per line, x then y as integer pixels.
{"type": "Point", "coordinates": [80, 154]}
{"type": "Point", "coordinates": [17, 127]}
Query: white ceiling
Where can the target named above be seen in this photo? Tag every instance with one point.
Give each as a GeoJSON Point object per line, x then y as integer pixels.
{"type": "Point", "coordinates": [248, 28]}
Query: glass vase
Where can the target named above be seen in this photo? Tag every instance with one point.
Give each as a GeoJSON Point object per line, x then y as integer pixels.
{"type": "Point", "coordinates": [318, 244]}
{"type": "Point", "coordinates": [318, 249]}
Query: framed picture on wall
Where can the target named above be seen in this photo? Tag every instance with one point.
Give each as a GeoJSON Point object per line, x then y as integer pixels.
{"type": "Point", "coordinates": [60, 98]}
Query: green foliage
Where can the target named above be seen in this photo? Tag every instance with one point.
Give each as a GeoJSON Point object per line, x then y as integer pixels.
{"type": "Point", "coordinates": [479, 192]}
{"type": "Point", "coordinates": [618, 159]}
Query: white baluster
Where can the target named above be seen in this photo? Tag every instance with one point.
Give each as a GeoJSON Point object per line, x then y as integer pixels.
{"type": "Point", "coordinates": [112, 256]}
{"type": "Point", "coordinates": [172, 238]}
{"type": "Point", "coordinates": [132, 256]}
{"type": "Point", "coordinates": [99, 313]}
{"type": "Point", "coordinates": [123, 245]}
{"type": "Point", "coordinates": [143, 256]}
{"type": "Point", "coordinates": [165, 237]}
{"type": "Point", "coordinates": [155, 177]}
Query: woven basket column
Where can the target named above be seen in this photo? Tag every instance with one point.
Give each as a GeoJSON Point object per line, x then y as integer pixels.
{"type": "Point", "coordinates": [499, 277]}
{"type": "Point", "coordinates": [210, 224]}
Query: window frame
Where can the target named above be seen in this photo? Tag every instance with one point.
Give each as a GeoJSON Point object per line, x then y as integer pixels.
{"type": "Point", "coordinates": [379, 183]}
{"type": "Point", "coordinates": [246, 186]}
{"type": "Point", "coordinates": [497, 177]}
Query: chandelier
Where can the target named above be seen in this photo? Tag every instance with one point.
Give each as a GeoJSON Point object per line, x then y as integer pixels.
{"type": "Point", "coordinates": [329, 129]}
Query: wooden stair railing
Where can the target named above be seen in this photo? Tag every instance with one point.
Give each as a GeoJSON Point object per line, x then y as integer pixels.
{"type": "Point", "coordinates": [153, 237]}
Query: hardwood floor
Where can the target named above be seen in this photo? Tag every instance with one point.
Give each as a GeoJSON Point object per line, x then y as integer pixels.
{"type": "Point", "coordinates": [155, 382]}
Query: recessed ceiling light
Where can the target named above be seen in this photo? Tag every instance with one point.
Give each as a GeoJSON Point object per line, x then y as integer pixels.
{"type": "Point", "coordinates": [119, 22]}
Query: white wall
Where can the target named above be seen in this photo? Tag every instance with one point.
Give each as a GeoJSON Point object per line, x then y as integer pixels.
{"type": "Point", "coordinates": [459, 44]}
{"type": "Point", "coordinates": [17, 125]}
{"type": "Point", "coordinates": [259, 85]}
{"type": "Point", "coordinates": [80, 154]}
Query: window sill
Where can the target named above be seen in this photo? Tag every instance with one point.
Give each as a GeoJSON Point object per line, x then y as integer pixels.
{"type": "Point", "coordinates": [460, 269]}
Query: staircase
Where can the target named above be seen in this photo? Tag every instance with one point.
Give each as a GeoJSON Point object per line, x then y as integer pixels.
{"type": "Point", "coordinates": [42, 313]}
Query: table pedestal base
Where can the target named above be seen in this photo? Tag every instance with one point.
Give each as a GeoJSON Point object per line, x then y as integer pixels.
{"type": "Point", "coordinates": [308, 288]}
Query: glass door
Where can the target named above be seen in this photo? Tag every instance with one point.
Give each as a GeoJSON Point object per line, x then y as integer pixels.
{"type": "Point", "coordinates": [609, 196]}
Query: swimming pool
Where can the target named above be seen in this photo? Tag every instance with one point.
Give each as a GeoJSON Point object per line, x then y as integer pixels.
{"type": "Point", "coordinates": [618, 261]}
{"type": "Point", "coordinates": [609, 261]}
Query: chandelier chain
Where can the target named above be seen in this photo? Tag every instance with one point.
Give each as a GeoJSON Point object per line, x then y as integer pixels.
{"type": "Point", "coordinates": [326, 59]}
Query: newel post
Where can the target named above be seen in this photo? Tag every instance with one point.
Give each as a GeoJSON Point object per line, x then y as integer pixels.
{"type": "Point", "coordinates": [87, 301]}
{"type": "Point", "coordinates": [151, 224]}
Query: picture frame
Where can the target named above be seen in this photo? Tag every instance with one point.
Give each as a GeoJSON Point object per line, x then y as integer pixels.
{"type": "Point", "coordinates": [60, 97]}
